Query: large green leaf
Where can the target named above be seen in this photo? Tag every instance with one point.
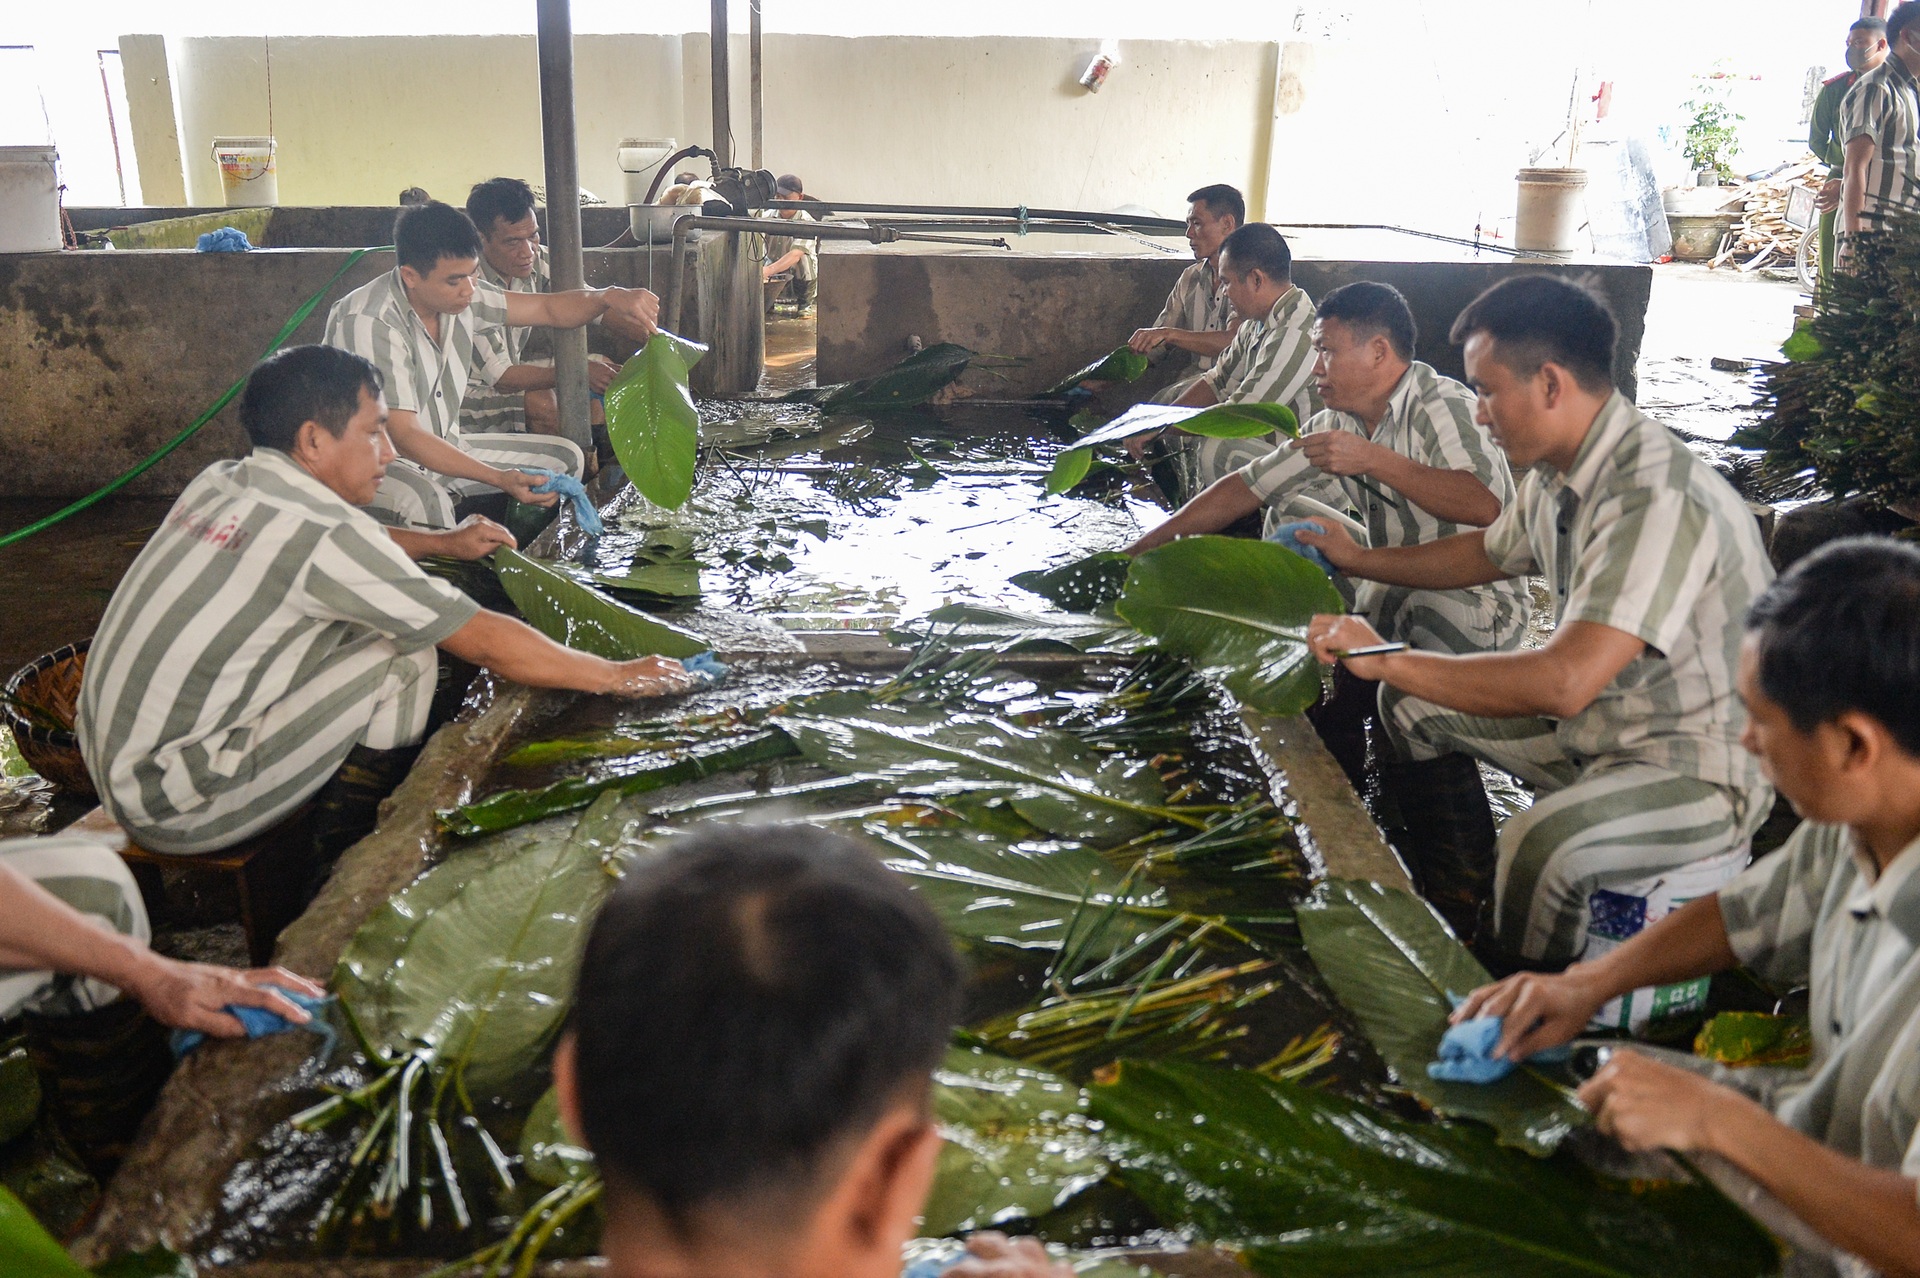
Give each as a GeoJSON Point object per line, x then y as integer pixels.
{"type": "Point", "coordinates": [661, 581]}
{"type": "Point", "coordinates": [1081, 586]}
{"type": "Point", "coordinates": [1122, 364]}
{"type": "Point", "coordinates": [548, 1153]}
{"type": "Point", "coordinates": [914, 380]}
{"type": "Point", "coordinates": [579, 616]}
{"type": "Point", "coordinates": [1392, 962]}
{"type": "Point", "coordinates": [472, 965]}
{"type": "Point", "coordinates": [1220, 421]}
{"type": "Point", "coordinates": [1019, 1142]}
{"type": "Point", "coordinates": [1002, 630]}
{"type": "Point", "coordinates": [1237, 609]}
{"type": "Point", "coordinates": [652, 422]}
{"type": "Point", "coordinates": [1069, 468]}
{"type": "Point", "coordinates": [1306, 1184]}
{"type": "Point", "coordinates": [27, 1250]}
{"type": "Point", "coordinates": [1052, 780]}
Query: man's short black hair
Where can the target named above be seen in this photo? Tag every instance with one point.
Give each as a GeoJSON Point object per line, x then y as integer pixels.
{"type": "Point", "coordinates": [425, 233]}
{"type": "Point", "coordinates": [1536, 320]}
{"type": "Point", "coordinates": [1876, 25]}
{"type": "Point", "coordinates": [1221, 200]}
{"type": "Point", "coordinates": [304, 384]}
{"type": "Point", "coordinates": [503, 198]}
{"type": "Point", "coordinates": [1258, 247]}
{"type": "Point", "coordinates": [1840, 631]}
{"type": "Point", "coordinates": [1903, 16]}
{"type": "Point", "coordinates": [1370, 308]}
{"type": "Point", "coordinates": [746, 1002]}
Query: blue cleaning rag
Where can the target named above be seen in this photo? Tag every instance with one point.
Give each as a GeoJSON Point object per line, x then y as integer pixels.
{"type": "Point", "coordinates": [707, 666]}
{"type": "Point", "coordinates": [227, 239]}
{"type": "Point", "coordinates": [1288, 535]}
{"type": "Point", "coordinates": [1466, 1053]}
{"type": "Point", "coordinates": [260, 1022]}
{"type": "Point", "coordinates": [574, 491]}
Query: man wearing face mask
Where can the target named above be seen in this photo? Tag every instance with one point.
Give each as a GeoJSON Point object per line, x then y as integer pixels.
{"type": "Point", "coordinates": [1866, 49]}
{"type": "Point", "coordinates": [1880, 131]}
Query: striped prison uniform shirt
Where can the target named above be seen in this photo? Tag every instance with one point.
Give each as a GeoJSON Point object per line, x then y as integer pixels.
{"type": "Point", "coordinates": [266, 629]}
{"type": "Point", "coordinates": [430, 380]}
{"type": "Point", "coordinates": [1642, 536]}
{"type": "Point", "coordinates": [1429, 418]}
{"type": "Point", "coordinates": [90, 877]}
{"type": "Point", "coordinates": [1884, 106]}
{"type": "Point", "coordinates": [483, 410]}
{"type": "Point", "coordinates": [1198, 304]}
{"type": "Point", "coordinates": [1819, 913]}
{"type": "Point", "coordinates": [1269, 361]}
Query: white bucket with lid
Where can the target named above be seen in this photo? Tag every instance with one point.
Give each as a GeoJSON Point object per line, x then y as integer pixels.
{"type": "Point", "coordinates": [1623, 911]}
{"type": "Point", "coordinates": [247, 176]}
{"type": "Point", "coordinates": [1551, 216]}
{"type": "Point", "coordinates": [640, 160]}
{"type": "Point", "coordinates": [29, 199]}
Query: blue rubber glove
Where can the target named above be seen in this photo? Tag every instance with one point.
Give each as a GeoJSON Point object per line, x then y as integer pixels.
{"type": "Point", "coordinates": [704, 664]}
{"type": "Point", "coordinates": [1288, 535]}
{"type": "Point", "coordinates": [574, 491]}
{"type": "Point", "coordinates": [228, 239]}
{"type": "Point", "coordinates": [260, 1022]}
{"type": "Point", "coordinates": [1466, 1053]}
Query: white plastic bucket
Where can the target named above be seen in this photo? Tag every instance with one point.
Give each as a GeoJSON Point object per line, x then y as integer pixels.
{"type": "Point", "coordinates": [29, 199]}
{"type": "Point", "coordinates": [247, 176]}
{"type": "Point", "coordinates": [1551, 215]}
{"type": "Point", "coordinates": [640, 160]}
{"type": "Point", "coordinates": [1618, 913]}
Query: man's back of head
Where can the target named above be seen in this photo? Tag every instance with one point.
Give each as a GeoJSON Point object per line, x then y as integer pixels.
{"type": "Point", "coordinates": [758, 1017]}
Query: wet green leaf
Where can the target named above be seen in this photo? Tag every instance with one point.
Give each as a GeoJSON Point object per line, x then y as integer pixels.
{"type": "Point", "coordinates": [27, 1249]}
{"type": "Point", "coordinates": [1019, 1142]}
{"type": "Point", "coordinates": [914, 380]}
{"type": "Point", "coordinates": [1053, 780]}
{"type": "Point", "coordinates": [19, 1092]}
{"type": "Point", "coordinates": [1221, 421]}
{"type": "Point", "coordinates": [549, 1155]}
{"type": "Point", "coordinates": [581, 617]}
{"type": "Point", "coordinates": [1122, 364]}
{"type": "Point", "coordinates": [1237, 609]}
{"type": "Point", "coordinates": [1803, 345]}
{"type": "Point", "coordinates": [680, 580]}
{"type": "Point", "coordinates": [1002, 630]}
{"type": "Point", "coordinates": [652, 422]}
{"type": "Point", "coordinates": [1081, 586]}
{"type": "Point", "coordinates": [1306, 1184]}
{"type": "Point", "coordinates": [471, 966]}
{"type": "Point", "coordinates": [1392, 962]}
{"type": "Point", "coordinates": [1069, 468]}
{"type": "Point", "coordinates": [1741, 1039]}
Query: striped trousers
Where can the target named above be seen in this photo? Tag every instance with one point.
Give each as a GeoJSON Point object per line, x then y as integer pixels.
{"type": "Point", "coordinates": [92, 879]}
{"type": "Point", "coordinates": [1594, 825]}
{"type": "Point", "coordinates": [370, 694]}
{"type": "Point", "coordinates": [413, 495]}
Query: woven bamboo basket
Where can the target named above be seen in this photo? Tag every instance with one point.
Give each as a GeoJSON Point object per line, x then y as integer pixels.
{"type": "Point", "coordinates": [42, 694]}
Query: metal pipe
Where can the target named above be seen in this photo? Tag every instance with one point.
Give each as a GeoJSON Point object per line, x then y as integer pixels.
{"type": "Point", "coordinates": [555, 35]}
{"type": "Point", "coordinates": [1165, 225]}
{"type": "Point", "coordinates": [722, 87]}
{"type": "Point", "coordinates": [753, 64]}
{"type": "Point", "coordinates": [677, 261]}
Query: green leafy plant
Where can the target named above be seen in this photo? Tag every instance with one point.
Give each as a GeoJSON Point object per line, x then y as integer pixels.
{"type": "Point", "coordinates": [1392, 962]}
{"type": "Point", "coordinates": [652, 422]}
{"type": "Point", "coordinates": [579, 616]}
{"type": "Point", "coordinates": [1122, 364]}
{"type": "Point", "coordinates": [1713, 132]}
{"type": "Point", "coordinates": [1237, 609]}
{"type": "Point", "coordinates": [1303, 1183]}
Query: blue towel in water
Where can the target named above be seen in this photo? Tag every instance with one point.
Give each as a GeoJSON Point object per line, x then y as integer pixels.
{"type": "Point", "coordinates": [1288, 535]}
{"type": "Point", "coordinates": [707, 666]}
{"type": "Point", "coordinates": [574, 491]}
{"type": "Point", "coordinates": [260, 1022]}
{"type": "Point", "coordinates": [228, 239]}
{"type": "Point", "coordinates": [1466, 1053]}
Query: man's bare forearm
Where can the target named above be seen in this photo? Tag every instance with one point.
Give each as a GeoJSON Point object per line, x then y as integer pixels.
{"type": "Point", "coordinates": [568, 309]}
{"type": "Point", "coordinates": [1451, 563]}
{"type": "Point", "coordinates": [418, 444]}
{"type": "Point", "coordinates": [1687, 944]}
{"type": "Point", "coordinates": [514, 650]}
{"type": "Point", "coordinates": [40, 932]}
{"type": "Point", "coordinates": [1557, 681]}
{"type": "Point", "coordinates": [1853, 188]}
{"type": "Point", "coordinates": [1456, 496]}
{"type": "Point", "coordinates": [526, 377]}
{"type": "Point", "coordinates": [1206, 342]}
{"type": "Point", "coordinates": [1220, 506]}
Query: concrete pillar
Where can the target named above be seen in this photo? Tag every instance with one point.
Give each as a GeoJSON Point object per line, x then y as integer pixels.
{"type": "Point", "coordinates": [152, 120]}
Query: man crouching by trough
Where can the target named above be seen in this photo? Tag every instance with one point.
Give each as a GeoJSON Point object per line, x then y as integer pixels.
{"type": "Point", "coordinates": [1829, 670]}
{"type": "Point", "coordinates": [751, 1055]}
{"type": "Point", "coordinates": [273, 643]}
{"type": "Point", "coordinates": [1198, 317]}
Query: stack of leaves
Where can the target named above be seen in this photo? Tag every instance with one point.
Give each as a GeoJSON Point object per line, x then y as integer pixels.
{"type": "Point", "coordinates": [1840, 412]}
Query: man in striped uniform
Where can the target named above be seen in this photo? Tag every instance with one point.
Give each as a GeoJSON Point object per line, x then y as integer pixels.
{"type": "Point", "coordinates": [1268, 360]}
{"type": "Point", "coordinates": [513, 260]}
{"type": "Point", "coordinates": [272, 636]}
{"type": "Point", "coordinates": [420, 326]}
{"type": "Point", "coordinates": [1198, 317]}
{"type": "Point", "coordinates": [1625, 722]}
{"type": "Point", "coordinates": [1880, 131]}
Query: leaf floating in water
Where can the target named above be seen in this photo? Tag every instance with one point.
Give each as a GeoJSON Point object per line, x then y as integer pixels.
{"type": "Point", "coordinates": [1122, 364]}
{"type": "Point", "coordinates": [1069, 468]}
{"type": "Point", "coordinates": [1301, 1182]}
{"type": "Point", "coordinates": [652, 422]}
{"type": "Point", "coordinates": [581, 617]}
{"type": "Point", "coordinates": [1393, 963]}
{"type": "Point", "coordinates": [914, 380]}
{"type": "Point", "coordinates": [1081, 586]}
{"type": "Point", "coordinates": [1237, 609]}
{"type": "Point", "coordinates": [1221, 421]}
{"type": "Point", "coordinates": [964, 626]}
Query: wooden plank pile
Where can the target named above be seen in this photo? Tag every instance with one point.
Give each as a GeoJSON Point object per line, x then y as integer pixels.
{"type": "Point", "coordinates": [1763, 236]}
